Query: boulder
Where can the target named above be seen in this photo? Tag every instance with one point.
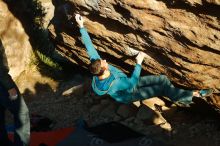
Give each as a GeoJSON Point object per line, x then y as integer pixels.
{"type": "Point", "coordinates": [181, 37]}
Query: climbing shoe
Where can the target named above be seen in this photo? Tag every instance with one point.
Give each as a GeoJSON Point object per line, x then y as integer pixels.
{"type": "Point", "coordinates": [205, 92]}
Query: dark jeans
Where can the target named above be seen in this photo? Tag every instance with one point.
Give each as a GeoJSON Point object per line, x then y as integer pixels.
{"type": "Point", "coordinates": [160, 85]}
{"type": "Point", "coordinates": [21, 120]}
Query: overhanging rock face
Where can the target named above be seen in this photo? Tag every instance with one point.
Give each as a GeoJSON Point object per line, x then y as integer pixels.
{"type": "Point", "coordinates": [182, 37]}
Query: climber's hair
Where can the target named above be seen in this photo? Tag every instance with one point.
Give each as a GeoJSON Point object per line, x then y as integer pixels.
{"type": "Point", "coordinates": [95, 67]}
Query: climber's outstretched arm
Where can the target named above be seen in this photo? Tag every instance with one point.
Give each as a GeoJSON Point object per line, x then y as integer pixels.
{"type": "Point", "coordinates": [93, 54]}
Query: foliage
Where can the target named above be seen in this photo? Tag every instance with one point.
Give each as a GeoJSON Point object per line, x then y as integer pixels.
{"type": "Point", "coordinates": [40, 41]}
{"type": "Point", "coordinates": [48, 61]}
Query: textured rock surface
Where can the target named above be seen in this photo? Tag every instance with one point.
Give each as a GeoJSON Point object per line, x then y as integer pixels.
{"type": "Point", "coordinates": [182, 37]}
{"type": "Point", "coordinates": [183, 43]}
{"type": "Point", "coordinates": [15, 41]}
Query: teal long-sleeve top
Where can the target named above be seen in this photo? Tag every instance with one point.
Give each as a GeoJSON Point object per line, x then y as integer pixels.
{"type": "Point", "coordinates": [117, 85]}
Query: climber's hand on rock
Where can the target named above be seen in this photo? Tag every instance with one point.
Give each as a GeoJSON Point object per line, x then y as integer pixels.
{"type": "Point", "coordinates": [140, 57]}
{"type": "Point", "coordinates": [79, 20]}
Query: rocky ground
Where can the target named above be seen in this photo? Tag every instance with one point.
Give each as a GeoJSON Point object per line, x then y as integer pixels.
{"type": "Point", "coordinates": [65, 101]}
